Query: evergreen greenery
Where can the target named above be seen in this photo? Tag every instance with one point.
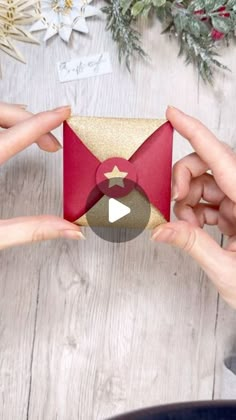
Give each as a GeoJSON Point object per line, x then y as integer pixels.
{"type": "Point", "coordinates": [199, 26]}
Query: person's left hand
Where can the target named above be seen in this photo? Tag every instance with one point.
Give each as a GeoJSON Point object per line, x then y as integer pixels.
{"type": "Point", "coordinates": [21, 130]}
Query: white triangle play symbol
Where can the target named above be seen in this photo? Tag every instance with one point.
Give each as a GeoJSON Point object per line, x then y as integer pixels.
{"type": "Point", "coordinates": [117, 210]}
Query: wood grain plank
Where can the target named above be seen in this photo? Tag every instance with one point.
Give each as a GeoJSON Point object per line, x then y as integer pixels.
{"type": "Point", "coordinates": [225, 381]}
{"type": "Point", "coordinates": [18, 293]}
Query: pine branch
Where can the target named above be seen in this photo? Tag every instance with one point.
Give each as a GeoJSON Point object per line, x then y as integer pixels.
{"type": "Point", "coordinates": [119, 20]}
{"type": "Point", "coordinates": [201, 53]}
{"type": "Point", "coordinates": [198, 26]}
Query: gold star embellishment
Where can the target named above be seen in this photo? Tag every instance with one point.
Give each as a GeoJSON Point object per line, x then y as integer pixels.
{"type": "Point", "coordinates": [116, 177]}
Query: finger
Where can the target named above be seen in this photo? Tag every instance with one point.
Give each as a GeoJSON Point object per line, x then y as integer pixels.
{"type": "Point", "coordinates": [227, 219]}
{"type": "Point", "coordinates": [23, 134]}
{"type": "Point", "coordinates": [217, 155]}
{"type": "Point", "coordinates": [184, 170]}
{"type": "Point", "coordinates": [11, 114]}
{"type": "Point", "coordinates": [31, 229]}
{"type": "Point", "coordinates": [202, 187]}
{"type": "Point", "coordinates": [199, 215]}
{"type": "Point", "coordinates": [206, 214]}
{"type": "Point", "coordinates": [231, 244]}
{"type": "Point", "coordinates": [197, 243]}
{"type": "Point", "coordinates": [10, 106]}
{"type": "Point", "coordinates": [189, 209]}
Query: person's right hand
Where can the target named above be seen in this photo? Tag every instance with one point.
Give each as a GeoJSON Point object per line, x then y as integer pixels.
{"type": "Point", "coordinates": [191, 185]}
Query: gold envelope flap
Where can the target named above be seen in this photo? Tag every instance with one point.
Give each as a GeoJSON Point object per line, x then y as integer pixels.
{"type": "Point", "coordinates": [109, 137]}
{"type": "Point", "coordinates": [116, 137]}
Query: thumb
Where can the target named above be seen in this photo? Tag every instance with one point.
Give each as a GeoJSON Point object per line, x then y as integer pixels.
{"type": "Point", "coordinates": [197, 243]}
{"type": "Point", "coordinates": [23, 230]}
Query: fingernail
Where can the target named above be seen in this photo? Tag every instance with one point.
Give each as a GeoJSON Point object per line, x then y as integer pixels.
{"type": "Point", "coordinates": [22, 106]}
{"type": "Point", "coordinates": [73, 234]}
{"type": "Point", "coordinates": [62, 108]}
{"type": "Point", "coordinates": [163, 234]}
{"type": "Point", "coordinates": [174, 193]}
{"type": "Point", "coordinates": [174, 107]}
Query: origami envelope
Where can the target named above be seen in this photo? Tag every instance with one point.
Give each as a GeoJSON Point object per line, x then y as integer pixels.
{"type": "Point", "coordinates": [136, 149]}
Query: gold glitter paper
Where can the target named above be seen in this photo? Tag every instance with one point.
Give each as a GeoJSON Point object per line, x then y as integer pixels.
{"type": "Point", "coordinates": [116, 137]}
{"type": "Point", "coordinates": [109, 137]}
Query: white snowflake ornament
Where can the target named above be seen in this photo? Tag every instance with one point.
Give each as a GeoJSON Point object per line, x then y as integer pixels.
{"type": "Point", "coordinates": [63, 16]}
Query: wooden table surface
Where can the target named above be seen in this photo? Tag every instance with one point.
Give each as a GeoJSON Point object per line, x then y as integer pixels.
{"type": "Point", "coordinates": [92, 329]}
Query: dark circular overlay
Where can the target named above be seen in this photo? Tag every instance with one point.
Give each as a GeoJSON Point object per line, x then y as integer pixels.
{"type": "Point", "coordinates": [116, 186]}
{"type": "Point", "coordinates": [118, 218]}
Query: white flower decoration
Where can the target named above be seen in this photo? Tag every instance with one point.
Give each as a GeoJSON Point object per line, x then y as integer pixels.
{"type": "Point", "coordinates": [63, 16]}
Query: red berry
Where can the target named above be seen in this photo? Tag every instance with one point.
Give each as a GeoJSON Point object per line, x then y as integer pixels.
{"type": "Point", "coordinates": [199, 12]}
{"type": "Point", "coordinates": [222, 9]}
{"type": "Point", "coordinates": [216, 35]}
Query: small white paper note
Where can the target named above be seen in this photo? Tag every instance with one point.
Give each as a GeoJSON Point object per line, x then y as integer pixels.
{"type": "Point", "coordinates": [83, 67]}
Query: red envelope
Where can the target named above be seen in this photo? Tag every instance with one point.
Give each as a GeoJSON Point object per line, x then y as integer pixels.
{"type": "Point", "coordinates": [96, 150]}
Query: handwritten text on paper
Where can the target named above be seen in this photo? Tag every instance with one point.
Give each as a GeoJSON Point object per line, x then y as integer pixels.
{"type": "Point", "coordinates": [83, 67]}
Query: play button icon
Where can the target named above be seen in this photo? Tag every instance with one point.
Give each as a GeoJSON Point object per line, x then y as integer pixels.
{"type": "Point", "coordinates": [118, 219]}
{"type": "Point", "coordinates": [117, 210]}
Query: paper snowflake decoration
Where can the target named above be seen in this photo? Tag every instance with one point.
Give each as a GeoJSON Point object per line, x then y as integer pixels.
{"type": "Point", "coordinates": [63, 16]}
{"type": "Point", "coordinates": [14, 14]}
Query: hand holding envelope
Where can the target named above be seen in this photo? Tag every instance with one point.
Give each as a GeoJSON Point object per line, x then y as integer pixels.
{"type": "Point", "coordinates": [135, 152]}
{"type": "Point", "coordinates": [204, 198]}
{"type": "Point", "coordinates": [20, 130]}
